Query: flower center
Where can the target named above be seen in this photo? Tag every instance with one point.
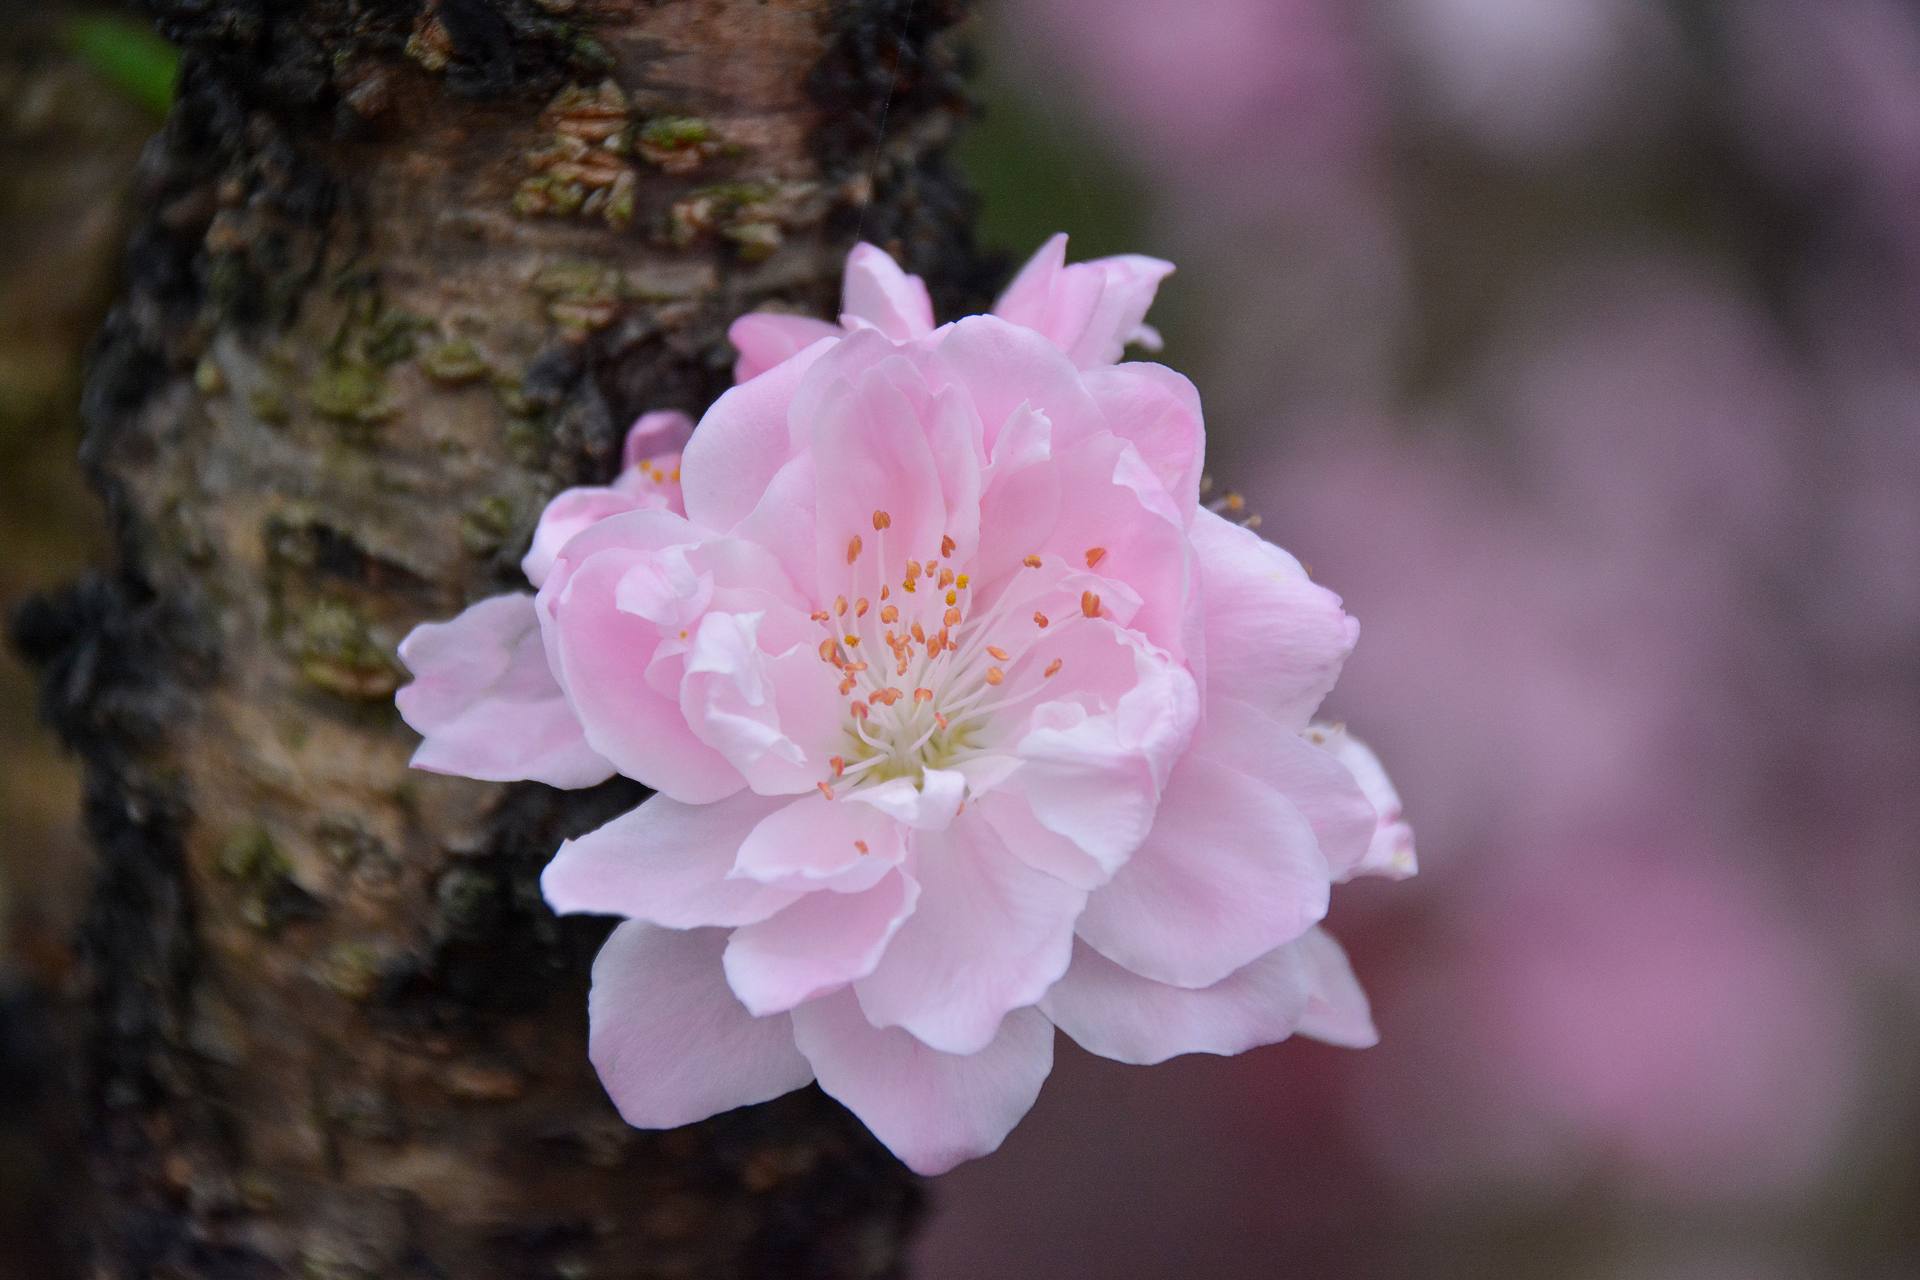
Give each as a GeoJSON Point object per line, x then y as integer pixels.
{"type": "Point", "coordinates": [922, 669]}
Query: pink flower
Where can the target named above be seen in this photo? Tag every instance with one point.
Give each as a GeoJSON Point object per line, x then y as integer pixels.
{"type": "Point", "coordinates": [1092, 310]}
{"type": "Point", "coordinates": [967, 720]}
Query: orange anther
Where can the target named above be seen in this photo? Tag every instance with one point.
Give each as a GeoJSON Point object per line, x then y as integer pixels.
{"type": "Point", "coordinates": [852, 641]}
{"type": "Point", "coordinates": [913, 570]}
{"type": "Point", "coordinates": [885, 591]}
{"type": "Point", "coordinates": [995, 675]}
{"type": "Point", "coordinates": [997, 652]}
{"type": "Point", "coordinates": [861, 845]}
{"type": "Point", "coordinates": [853, 548]}
{"type": "Point", "coordinates": [889, 614]}
{"type": "Point", "coordinates": [1039, 619]}
{"type": "Point", "coordinates": [858, 710]}
{"type": "Point", "coordinates": [939, 719]}
{"type": "Point", "coordinates": [829, 651]}
{"type": "Point", "coordinates": [881, 520]}
{"type": "Point", "coordinates": [840, 605]}
{"type": "Point", "coordinates": [820, 615]}
{"type": "Point", "coordinates": [1053, 669]}
{"type": "Point", "coordinates": [961, 582]}
{"type": "Point", "coordinates": [1095, 555]}
{"type": "Point", "coordinates": [946, 577]}
{"type": "Point", "coordinates": [923, 695]}
{"type": "Point", "coordinates": [1032, 562]}
{"type": "Point", "coordinates": [1089, 604]}
{"type": "Point", "coordinates": [825, 790]}
{"type": "Point", "coordinates": [947, 544]}
{"type": "Point", "coordinates": [860, 607]}
{"type": "Point", "coordinates": [953, 597]}
{"type": "Point", "coordinates": [839, 764]}
{"type": "Point", "coordinates": [951, 617]}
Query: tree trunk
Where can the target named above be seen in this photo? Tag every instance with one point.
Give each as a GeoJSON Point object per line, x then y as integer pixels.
{"type": "Point", "coordinates": [406, 270]}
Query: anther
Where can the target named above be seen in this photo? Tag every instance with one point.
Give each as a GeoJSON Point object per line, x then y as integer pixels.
{"type": "Point", "coordinates": [946, 577]}
{"type": "Point", "coordinates": [861, 845]}
{"type": "Point", "coordinates": [1032, 562]}
{"type": "Point", "coordinates": [951, 617]}
{"type": "Point", "coordinates": [860, 607]}
{"type": "Point", "coordinates": [825, 790]}
{"type": "Point", "coordinates": [1053, 669]}
{"type": "Point", "coordinates": [923, 695]}
{"type": "Point", "coordinates": [953, 597]}
{"type": "Point", "coordinates": [961, 582]}
{"type": "Point", "coordinates": [852, 641]}
{"type": "Point", "coordinates": [820, 615]}
{"type": "Point", "coordinates": [889, 614]}
{"type": "Point", "coordinates": [828, 651]}
{"type": "Point", "coordinates": [853, 548]}
{"type": "Point", "coordinates": [995, 675]}
{"type": "Point", "coordinates": [947, 544]}
{"type": "Point", "coordinates": [997, 652]}
{"type": "Point", "coordinates": [1089, 604]}
{"type": "Point", "coordinates": [858, 711]}
{"type": "Point", "coordinates": [840, 605]}
{"type": "Point", "coordinates": [1095, 555]}
{"type": "Point", "coordinates": [839, 764]}
{"type": "Point", "coordinates": [1039, 619]}
{"type": "Point", "coordinates": [881, 520]}
{"type": "Point", "coordinates": [939, 719]}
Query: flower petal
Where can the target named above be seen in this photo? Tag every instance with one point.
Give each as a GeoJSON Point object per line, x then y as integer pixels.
{"type": "Point", "coordinates": [1158, 412]}
{"type": "Point", "coordinates": [817, 945]}
{"type": "Point", "coordinates": [1231, 871]}
{"type": "Point", "coordinates": [1313, 779]}
{"type": "Point", "coordinates": [486, 703]}
{"type": "Point", "coordinates": [991, 934]}
{"type": "Point", "coordinates": [1091, 310]}
{"type": "Point", "coordinates": [766, 338]}
{"type": "Point", "coordinates": [814, 842]}
{"type": "Point", "coordinates": [570, 511]}
{"type": "Point", "coordinates": [742, 442]}
{"type": "Point", "coordinates": [1118, 1014]}
{"type": "Point", "coordinates": [666, 863]}
{"type": "Point", "coordinates": [670, 1042]}
{"type": "Point", "coordinates": [933, 1110]}
{"type": "Point", "coordinates": [878, 293]}
{"type": "Point", "coordinates": [1274, 638]}
{"type": "Point", "coordinates": [652, 434]}
{"type": "Point", "coordinates": [1389, 851]}
{"type": "Point", "coordinates": [604, 654]}
{"type": "Point", "coordinates": [1337, 1010]}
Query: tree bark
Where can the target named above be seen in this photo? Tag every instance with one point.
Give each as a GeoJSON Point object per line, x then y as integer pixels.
{"type": "Point", "coordinates": [404, 271]}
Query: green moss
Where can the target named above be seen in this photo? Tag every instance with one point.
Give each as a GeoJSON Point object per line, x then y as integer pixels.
{"type": "Point", "coordinates": [351, 391]}
{"type": "Point", "coordinates": [672, 133]}
{"type": "Point", "coordinates": [486, 525]}
{"type": "Point", "coordinates": [455, 363]}
{"type": "Point", "coordinates": [339, 653]}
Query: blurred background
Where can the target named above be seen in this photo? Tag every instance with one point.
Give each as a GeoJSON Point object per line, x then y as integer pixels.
{"type": "Point", "coordinates": [1577, 344]}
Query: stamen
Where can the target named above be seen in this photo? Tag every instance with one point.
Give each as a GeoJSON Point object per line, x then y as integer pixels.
{"type": "Point", "coordinates": [881, 520]}
{"type": "Point", "coordinates": [852, 641]}
{"type": "Point", "coordinates": [839, 764]}
{"type": "Point", "coordinates": [1053, 669]}
{"type": "Point", "coordinates": [995, 675]}
{"type": "Point", "coordinates": [1032, 562]}
{"type": "Point", "coordinates": [1040, 620]}
{"type": "Point", "coordinates": [997, 652]}
{"type": "Point", "coordinates": [820, 615]}
{"type": "Point", "coordinates": [825, 790]}
{"type": "Point", "coordinates": [946, 577]}
{"type": "Point", "coordinates": [889, 614]}
{"type": "Point", "coordinates": [1089, 604]}
{"type": "Point", "coordinates": [861, 845]}
{"type": "Point", "coordinates": [1095, 555]}
{"type": "Point", "coordinates": [953, 597]}
{"type": "Point", "coordinates": [853, 549]}
{"type": "Point", "coordinates": [961, 582]}
{"type": "Point", "coordinates": [923, 695]}
{"type": "Point", "coordinates": [860, 607]}
{"type": "Point", "coordinates": [947, 544]}
{"type": "Point", "coordinates": [840, 605]}
{"type": "Point", "coordinates": [951, 617]}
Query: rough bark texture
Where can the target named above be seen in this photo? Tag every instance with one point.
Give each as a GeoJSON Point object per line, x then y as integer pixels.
{"type": "Point", "coordinates": [383, 303]}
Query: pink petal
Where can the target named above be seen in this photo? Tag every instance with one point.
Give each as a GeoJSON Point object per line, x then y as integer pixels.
{"type": "Point", "coordinates": [1158, 412]}
{"type": "Point", "coordinates": [670, 1042]}
{"type": "Point", "coordinates": [655, 433]}
{"type": "Point", "coordinates": [929, 804]}
{"type": "Point", "coordinates": [570, 512]}
{"type": "Point", "coordinates": [1012, 820]}
{"type": "Point", "coordinates": [1091, 310]}
{"type": "Point", "coordinates": [1274, 638]}
{"type": "Point", "coordinates": [604, 654]}
{"type": "Point", "coordinates": [1118, 1014]}
{"type": "Point", "coordinates": [1389, 851]}
{"type": "Point", "coordinates": [666, 863]}
{"type": "Point", "coordinates": [1004, 368]}
{"type": "Point", "coordinates": [933, 1110]}
{"type": "Point", "coordinates": [814, 842]}
{"type": "Point", "coordinates": [765, 339]}
{"type": "Point", "coordinates": [990, 935]}
{"type": "Point", "coordinates": [486, 703]}
{"type": "Point", "coordinates": [741, 442]}
{"type": "Point", "coordinates": [1337, 1010]}
{"type": "Point", "coordinates": [880, 294]}
{"type": "Point", "coordinates": [817, 945]}
{"type": "Point", "coordinates": [1231, 871]}
{"type": "Point", "coordinates": [1312, 778]}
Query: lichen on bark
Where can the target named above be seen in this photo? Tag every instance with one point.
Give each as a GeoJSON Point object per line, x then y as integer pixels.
{"type": "Point", "coordinates": [329, 1029]}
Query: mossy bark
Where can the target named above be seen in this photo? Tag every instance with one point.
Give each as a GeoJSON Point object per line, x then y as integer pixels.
{"type": "Point", "coordinates": [405, 270]}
